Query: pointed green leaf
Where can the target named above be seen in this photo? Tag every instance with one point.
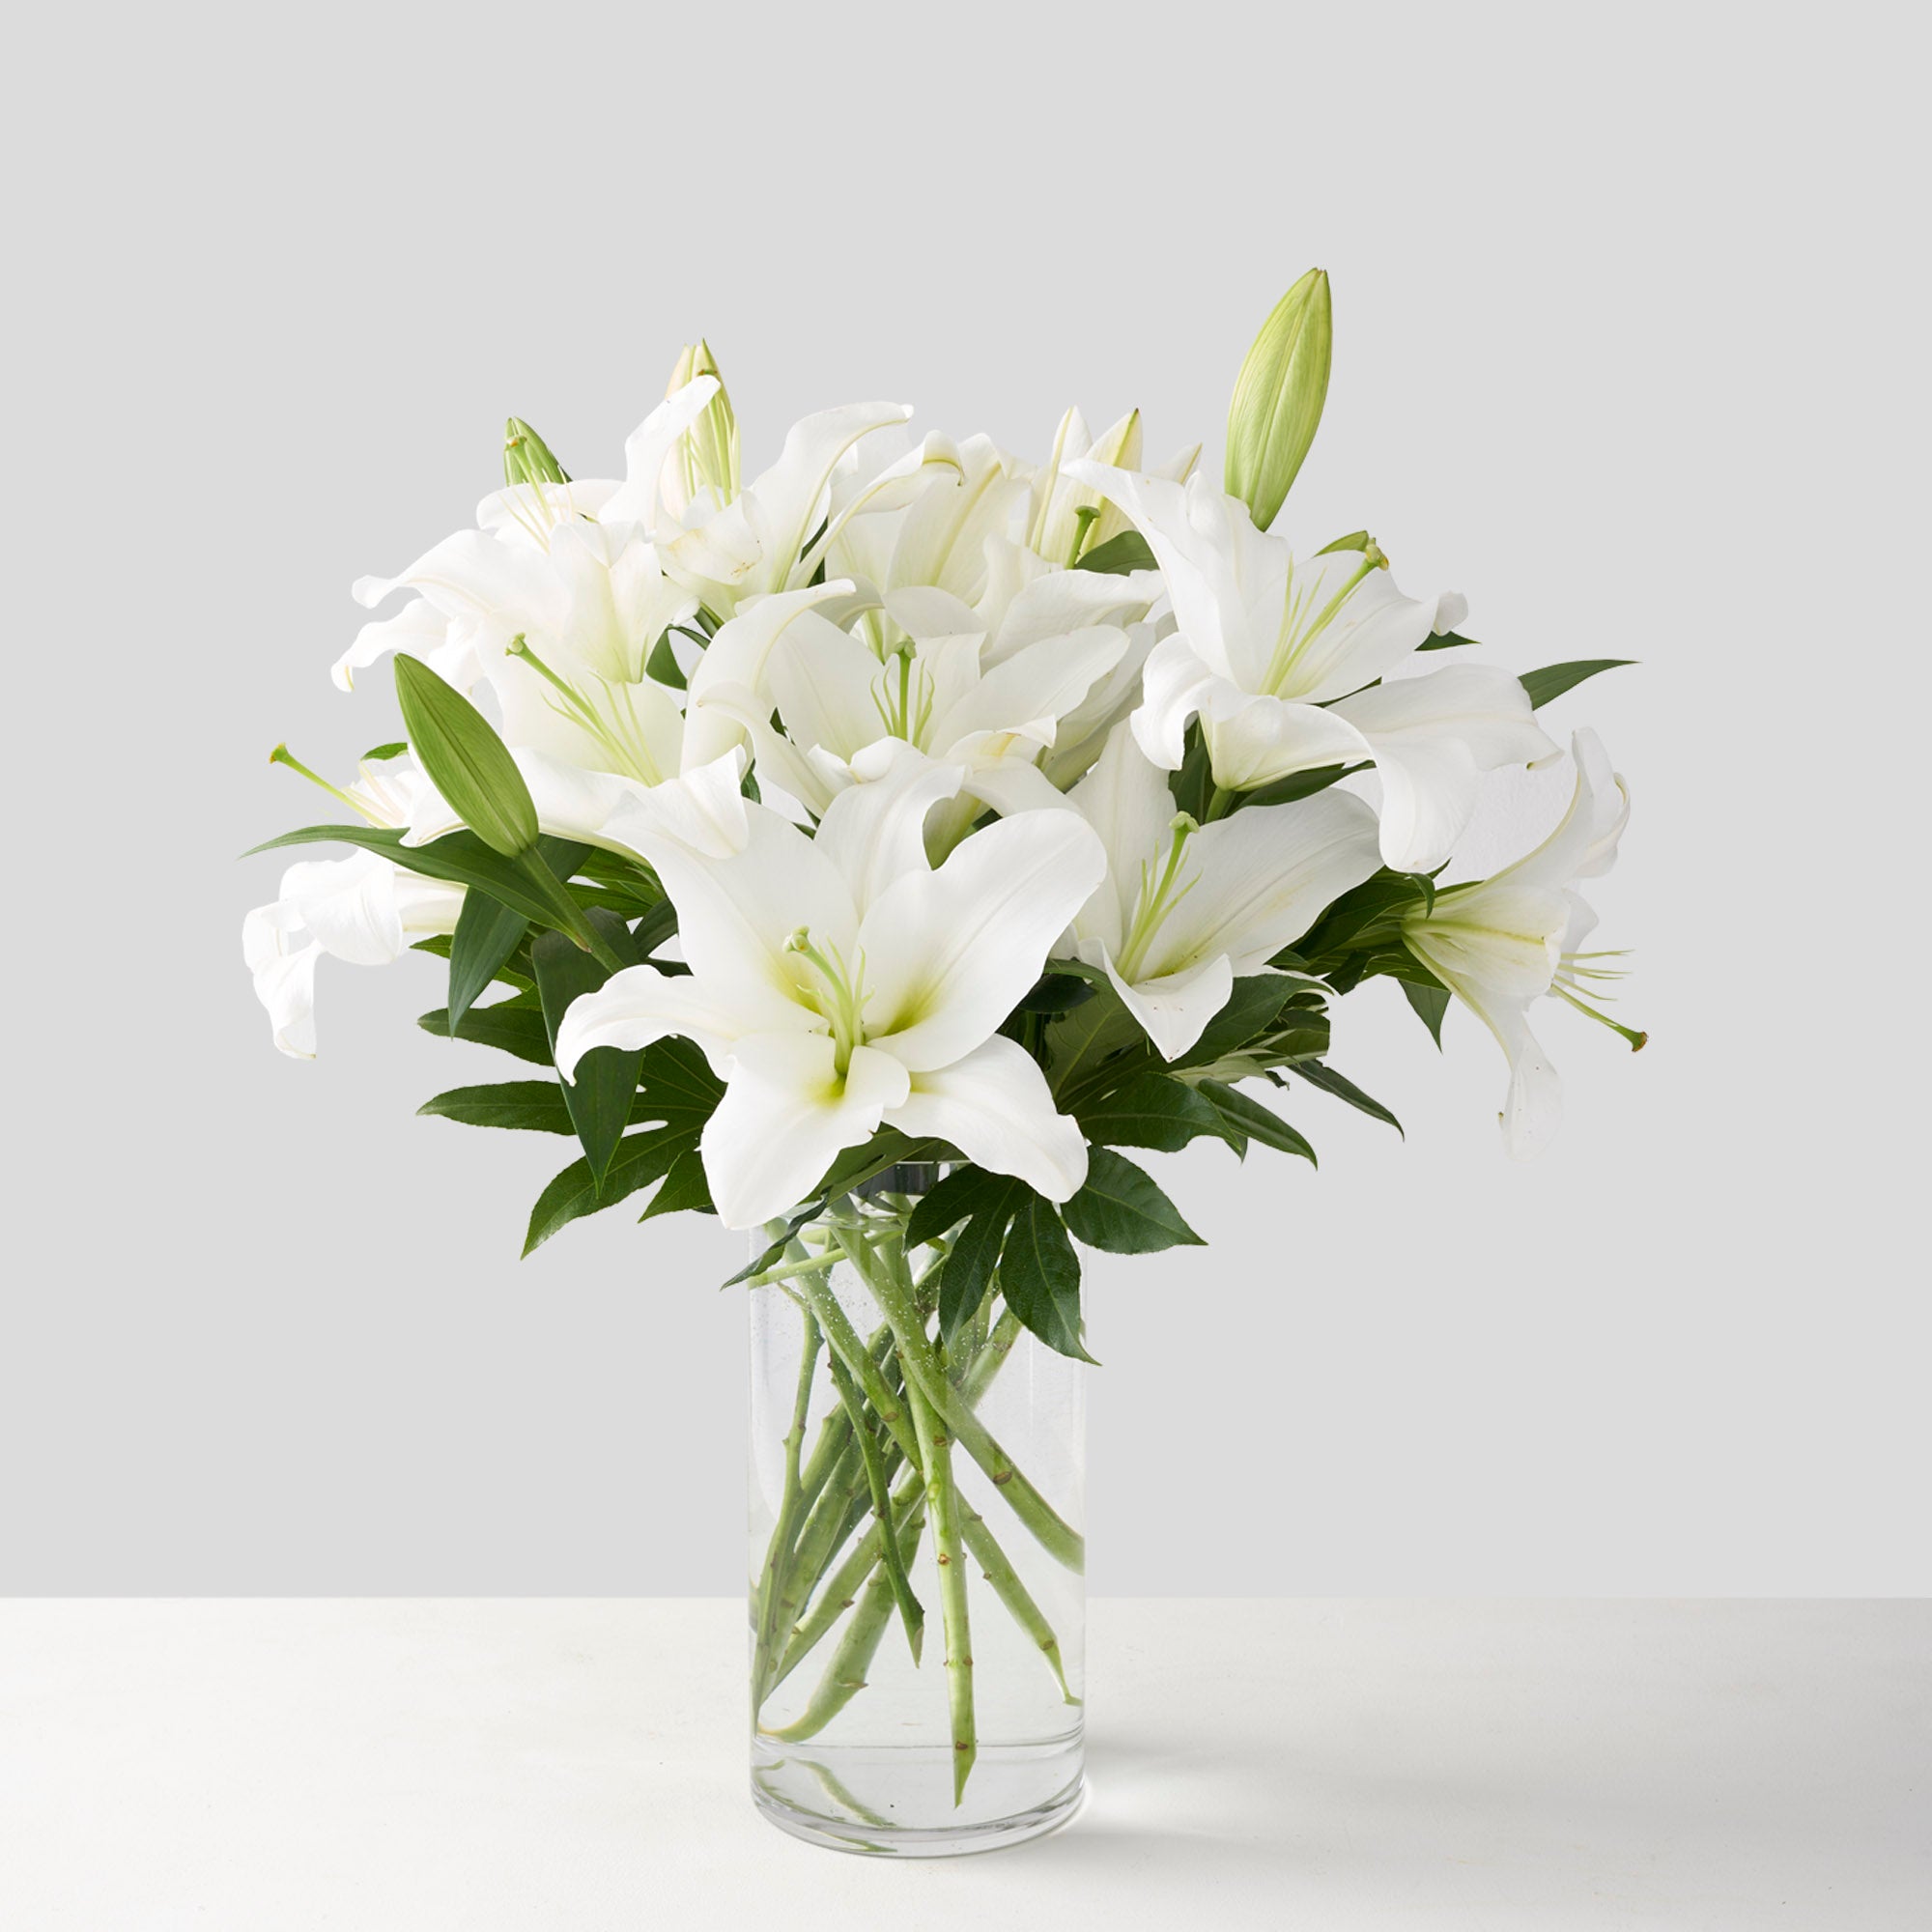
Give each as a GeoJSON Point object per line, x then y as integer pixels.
{"type": "Point", "coordinates": [638, 1161]}
{"type": "Point", "coordinates": [508, 1026]}
{"type": "Point", "coordinates": [1553, 680]}
{"type": "Point", "coordinates": [529, 1106]}
{"type": "Point", "coordinates": [1122, 1210]}
{"type": "Point", "coordinates": [1256, 1122]}
{"type": "Point", "coordinates": [685, 1187]}
{"type": "Point", "coordinates": [1431, 1003]}
{"type": "Point", "coordinates": [380, 755]}
{"type": "Point", "coordinates": [488, 931]}
{"type": "Point", "coordinates": [599, 1098]}
{"type": "Point", "coordinates": [1318, 1074]}
{"type": "Point", "coordinates": [1448, 640]}
{"type": "Point", "coordinates": [1039, 1277]}
{"type": "Point", "coordinates": [1148, 1110]}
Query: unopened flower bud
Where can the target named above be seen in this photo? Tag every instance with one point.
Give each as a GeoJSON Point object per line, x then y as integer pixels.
{"type": "Point", "coordinates": [1278, 398]}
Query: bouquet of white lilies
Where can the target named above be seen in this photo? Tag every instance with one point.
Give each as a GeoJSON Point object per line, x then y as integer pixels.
{"type": "Point", "coordinates": [878, 847]}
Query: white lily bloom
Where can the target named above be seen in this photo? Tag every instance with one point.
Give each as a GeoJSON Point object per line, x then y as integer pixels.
{"type": "Point", "coordinates": [362, 909]}
{"type": "Point", "coordinates": [836, 698]}
{"type": "Point", "coordinates": [838, 984]}
{"type": "Point", "coordinates": [1504, 942]}
{"type": "Point", "coordinates": [1274, 657]}
{"type": "Point", "coordinates": [1185, 910]}
{"type": "Point", "coordinates": [766, 539]}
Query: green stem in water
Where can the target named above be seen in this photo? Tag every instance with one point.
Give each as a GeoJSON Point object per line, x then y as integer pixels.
{"type": "Point", "coordinates": [911, 1614]}
{"type": "Point", "coordinates": [926, 1374]}
{"type": "Point", "coordinates": [942, 1502]}
{"type": "Point", "coordinates": [781, 1536]}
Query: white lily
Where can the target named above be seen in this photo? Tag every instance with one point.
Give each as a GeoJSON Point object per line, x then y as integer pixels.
{"type": "Point", "coordinates": [836, 698]}
{"type": "Point", "coordinates": [1504, 942]}
{"type": "Point", "coordinates": [838, 984]}
{"type": "Point", "coordinates": [1274, 657]}
{"type": "Point", "coordinates": [766, 539]}
{"type": "Point", "coordinates": [1185, 910]}
{"type": "Point", "coordinates": [363, 909]}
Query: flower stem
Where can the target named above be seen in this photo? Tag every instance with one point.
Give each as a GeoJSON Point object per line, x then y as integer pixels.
{"type": "Point", "coordinates": [788, 1508]}
{"type": "Point", "coordinates": [935, 1451]}
{"type": "Point", "coordinates": [911, 1612]}
{"type": "Point", "coordinates": [926, 1374]}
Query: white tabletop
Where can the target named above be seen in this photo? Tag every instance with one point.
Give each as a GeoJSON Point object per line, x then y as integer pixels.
{"type": "Point", "coordinates": [578, 1766]}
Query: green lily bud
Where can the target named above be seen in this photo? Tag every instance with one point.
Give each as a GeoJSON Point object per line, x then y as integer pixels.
{"type": "Point", "coordinates": [527, 457]}
{"type": "Point", "coordinates": [466, 760]}
{"type": "Point", "coordinates": [1278, 398]}
{"type": "Point", "coordinates": [710, 447]}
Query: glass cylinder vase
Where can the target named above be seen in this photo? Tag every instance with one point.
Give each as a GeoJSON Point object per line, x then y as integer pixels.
{"type": "Point", "coordinates": [929, 1705]}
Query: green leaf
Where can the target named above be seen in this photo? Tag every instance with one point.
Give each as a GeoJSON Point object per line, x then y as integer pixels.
{"type": "Point", "coordinates": [1258, 1123]}
{"type": "Point", "coordinates": [527, 1107]}
{"type": "Point", "coordinates": [466, 760]}
{"type": "Point", "coordinates": [600, 1096]}
{"type": "Point", "coordinates": [508, 1026]}
{"type": "Point", "coordinates": [1553, 680]}
{"type": "Point", "coordinates": [1148, 1110]}
{"type": "Point", "coordinates": [638, 1161]}
{"type": "Point", "coordinates": [1380, 898]}
{"type": "Point", "coordinates": [1296, 784]}
{"type": "Point", "coordinates": [459, 857]}
{"type": "Point", "coordinates": [677, 1085]}
{"type": "Point", "coordinates": [1317, 1075]}
{"type": "Point", "coordinates": [1120, 556]}
{"type": "Point", "coordinates": [1449, 640]}
{"type": "Point", "coordinates": [1431, 1003]}
{"type": "Point", "coordinates": [439, 943]}
{"type": "Point", "coordinates": [684, 1188]}
{"type": "Point", "coordinates": [663, 665]}
{"type": "Point", "coordinates": [1039, 1277]}
{"type": "Point", "coordinates": [1253, 1006]}
{"type": "Point", "coordinates": [986, 1203]}
{"type": "Point", "coordinates": [488, 932]}
{"type": "Point", "coordinates": [1122, 1210]}
{"type": "Point", "coordinates": [774, 1253]}
{"type": "Point", "coordinates": [383, 753]}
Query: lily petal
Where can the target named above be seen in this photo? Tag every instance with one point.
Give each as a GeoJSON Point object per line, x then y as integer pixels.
{"type": "Point", "coordinates": [640, 1004]}
{"type": "Point", "coordinates": [994, 1106]}
{"type": "Point", "coordinates": [949, 953]}
{"type": "Point", "coordinates": [787, 1114]}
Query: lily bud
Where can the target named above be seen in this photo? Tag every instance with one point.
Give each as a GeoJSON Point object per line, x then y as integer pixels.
{"type": "Point", "coordinates": [710, 447]}
{"type": "Point", "coordinates": [466, 760]}
{"type": "Point", "coordinates": [1278, 398]}
{"type": "Point", "coordinates": [527, 457]}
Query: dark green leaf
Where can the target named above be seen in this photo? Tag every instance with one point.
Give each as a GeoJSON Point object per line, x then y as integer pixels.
{"type": "Point", "coordinates": [466, 760]}
{"type": "Point", "coordinates": [380, 755]}
{"type": "Point", "coordinates": [488, 932]}
{"type": "Point", "coordinates": [508, 1026]}
{"type": "Point", "coordinates": [460, 857]}
{"type": "Point", "coordinates": [684, 1188]}
{"type": "Point", "coordinates": [638, 1161]}
{"type": "Point", "coordinates": [527, 1106]}
{"type": "Point", "coordinates": [1553, 680]}
{"type": "Point", "coordinates": [774, 1253]}
{"type": "Point", "coordinates": [1431, 1003]}
{"type": "Point", "coordinates": [1376, 901]}
{"type": "Point", "coordinates": [1317, 1075]}
{"type": "Point", "coordinates": [1120, 556]}
{"type": "Point", "coordinates": [599, 1094]}
{"type": "Point", "coordinates": [986, 1204]}
{"type": "Point", "coordinates": [439, 944]}
{"type": "Point", "coordinates": [1447, 641]}
{"type": "Point", "coordinates": [1039, 1277]}
{"type": "Point", "coordinates": [1056, 994]}
{"type": "Point", "coordinates": [1192, 786]}
{"type": "Point", "coordinates": [663, 665]}
{"type": "Point", "coordinates": [1297, 785]}
{"type": "Point", "coordinates": [1258, 1123]}
{"type": "Point", "coordinates": [677, 1085]}
{"type": "Point", "coordinates": [1122, 1210]}
{"type": "Point", "coordinates": [1254, 1004]}
{"type": "Point", "coordinates": [1148, 1110]}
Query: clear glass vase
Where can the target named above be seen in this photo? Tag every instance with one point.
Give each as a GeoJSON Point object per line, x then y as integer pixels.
{"type": "Point", "coordinates": [935, 1711]}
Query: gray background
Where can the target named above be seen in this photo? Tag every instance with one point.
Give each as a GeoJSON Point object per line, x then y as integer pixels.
{"type": "Point", "coordinates": [1624, 307]}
